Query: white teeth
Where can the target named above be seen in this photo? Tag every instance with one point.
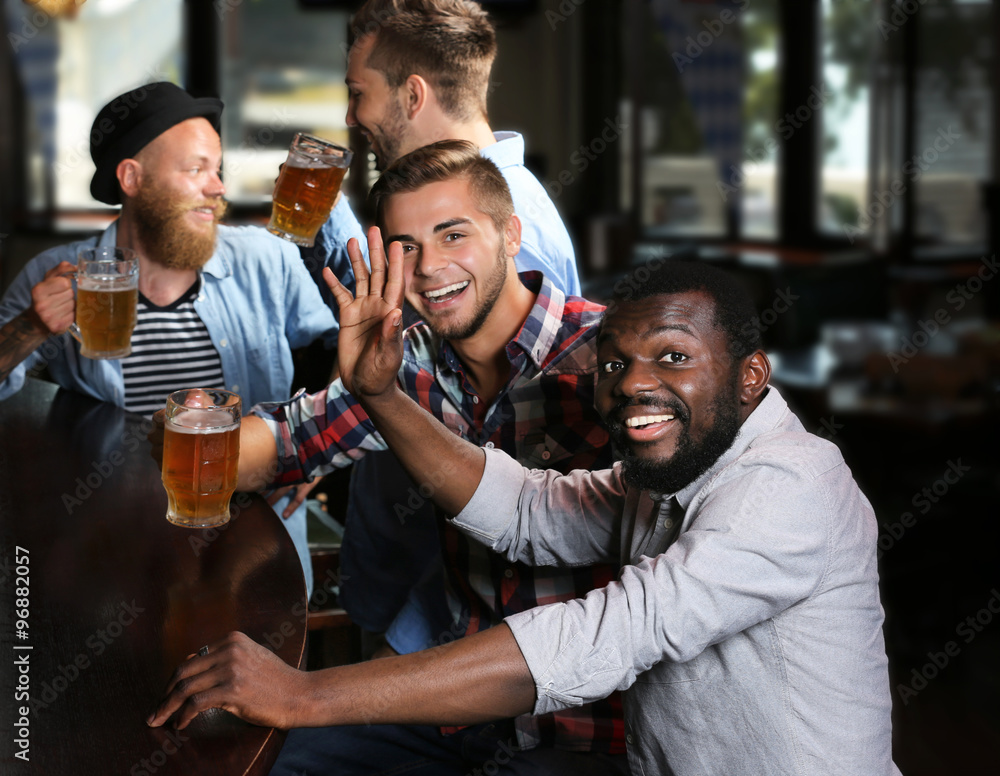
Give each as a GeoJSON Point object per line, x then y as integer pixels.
{"type": "Point", "coordinates": [439, 292]}
{"type": "Point", "coordinates": [645, 420]}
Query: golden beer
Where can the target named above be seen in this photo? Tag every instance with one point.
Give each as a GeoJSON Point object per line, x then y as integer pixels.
{"type": "Point", "coordinates": [106, 317]}
{"type": "Point", "coordinates": [201, 450]}
{"type": "Point", "coordinates": [307, 188]}
{"type": "Point", "coordinates": [107, 291]}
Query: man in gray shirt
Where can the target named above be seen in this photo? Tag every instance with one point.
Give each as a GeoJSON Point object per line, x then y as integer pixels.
{"type": "Point", "coordinates": [745, 624]}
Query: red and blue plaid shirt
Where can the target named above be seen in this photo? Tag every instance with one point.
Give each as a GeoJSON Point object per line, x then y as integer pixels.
{"type": "Point", "coordinates": [544, 417]}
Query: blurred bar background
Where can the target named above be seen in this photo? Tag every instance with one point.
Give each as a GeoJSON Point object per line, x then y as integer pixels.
{"type": "Point", "coordinates": [840, 156]}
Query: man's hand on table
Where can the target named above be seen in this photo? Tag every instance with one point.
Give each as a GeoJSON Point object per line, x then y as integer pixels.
{"type": "Point", "coordinates": [238, 675]}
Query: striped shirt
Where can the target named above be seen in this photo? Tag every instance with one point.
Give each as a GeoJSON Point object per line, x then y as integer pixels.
{"type": "Point", "coordinates": [171, 350]}
{"type": "Point", "coordinates": [544, 417]}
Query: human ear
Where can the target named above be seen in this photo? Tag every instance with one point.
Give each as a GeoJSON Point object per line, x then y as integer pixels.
{"type": "Point", "coordinates": [512, 236]}
{"type": "Point", "coordinates": [129, 174]}
{"type": "Point", "coordinates": [417, 93]}
{"type": "Point", "coordinates": [755, 374]}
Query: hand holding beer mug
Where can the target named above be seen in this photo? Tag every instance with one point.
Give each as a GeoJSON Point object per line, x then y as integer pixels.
{"type": "Point", "coordinates": [107, 291]}
{"type": "Point", "coordinates": [307, 188]}
{"type": "Point", "coordinates": [201, 450]}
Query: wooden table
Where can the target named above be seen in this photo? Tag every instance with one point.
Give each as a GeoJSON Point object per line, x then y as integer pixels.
{"type": "Point", "coordinates": [117, 597]}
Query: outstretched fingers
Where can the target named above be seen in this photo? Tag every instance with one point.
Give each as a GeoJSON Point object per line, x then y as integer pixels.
{"type": "Point", "coordinates": [376, 257]}
{"type": "Point", "coordinates": [394, 287]}
{"type": "Point", "coordinates": [359, 266]}
{"type": "Point", "coordinates": [340, 293]}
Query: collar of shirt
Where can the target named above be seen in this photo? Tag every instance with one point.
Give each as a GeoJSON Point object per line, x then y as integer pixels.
{"type": "Point", "coordinates": [535, 337]}
{"type": "Point", "coordinates": [507, 151]}
{"type": "Point", "coordinates": [218, 266]}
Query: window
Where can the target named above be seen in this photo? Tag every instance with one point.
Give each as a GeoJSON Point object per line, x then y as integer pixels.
{"type": "Point", "coordinates": [283, 72]}
{"type": "Point", "coordinates": [70, 66]}
{"type": "Point", "coordinates": [950, 160]}
{"type": "Point", "coordinates": [848, 35]}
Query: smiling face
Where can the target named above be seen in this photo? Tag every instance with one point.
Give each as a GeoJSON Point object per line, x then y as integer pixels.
{"type": "Point", "coordinates": [457, 265]}
{"type": "Point", "coordinates": [376, 108]}
{"type": "Point", "coordinates": [178, 203]}
{"type": "Point", "coordinates": [669, 391]}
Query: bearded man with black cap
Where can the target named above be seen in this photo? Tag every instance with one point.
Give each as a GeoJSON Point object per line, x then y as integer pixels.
{"type": "Point", "coordinates": [219, 307]}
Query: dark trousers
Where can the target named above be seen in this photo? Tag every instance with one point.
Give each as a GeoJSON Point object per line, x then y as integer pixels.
{"type": "Point", "coordinates": [421, 750]}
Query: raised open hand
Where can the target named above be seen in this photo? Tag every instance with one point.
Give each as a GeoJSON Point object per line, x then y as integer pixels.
{"type": "Point", "coordinates": [370, 346]}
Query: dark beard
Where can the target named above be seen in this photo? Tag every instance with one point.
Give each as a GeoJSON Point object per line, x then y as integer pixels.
{"type": "Point", "coordinates": [690, 460]}
{"type": "Point", "coordinates": [166, 238]}
{"type": "Point", "coordinates": [390, 141]}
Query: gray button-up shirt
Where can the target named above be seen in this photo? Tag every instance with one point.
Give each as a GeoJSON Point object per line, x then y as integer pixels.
{"type": "Point", "coordinates": [745, 624]}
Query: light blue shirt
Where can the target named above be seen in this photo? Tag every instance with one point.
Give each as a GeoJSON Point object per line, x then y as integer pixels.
{"type": "Point", "coordinates": [257, 302]}
{"type": "Point", "coordinates": [744, 628]}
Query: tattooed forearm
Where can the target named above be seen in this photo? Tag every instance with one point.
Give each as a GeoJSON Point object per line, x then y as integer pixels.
{"type": "Point", "coordinates": [19, 338]}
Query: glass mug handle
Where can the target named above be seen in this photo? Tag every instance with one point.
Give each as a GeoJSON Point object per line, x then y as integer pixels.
{"type": "Point", "coordinates": [74, 330]}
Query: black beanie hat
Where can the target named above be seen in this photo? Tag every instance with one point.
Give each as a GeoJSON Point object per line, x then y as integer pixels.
{"type": "Point", "coordinates": [132, 120]}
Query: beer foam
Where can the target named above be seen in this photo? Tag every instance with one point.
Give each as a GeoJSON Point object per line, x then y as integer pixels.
{"type": "Point", "coordinates": [312, 162]}
{"type": "Point", "coordinates": [200, 422]}
{"type": "Point", "coordinates": [107, 282]}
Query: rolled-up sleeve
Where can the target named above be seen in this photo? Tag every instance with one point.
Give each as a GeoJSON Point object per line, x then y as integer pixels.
{"type": "Point", "coordinates": [317, 433]}
{"type": "Point", "coordinates": [746, 558]}
{"type": "Point", "coordinates": [544, 518]}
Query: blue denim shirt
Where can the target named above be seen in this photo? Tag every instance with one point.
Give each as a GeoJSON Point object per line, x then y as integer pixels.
{"type": "Point", "coordinates": [745, 625]}
{"type": "Point", "coordinates": [256, 300]}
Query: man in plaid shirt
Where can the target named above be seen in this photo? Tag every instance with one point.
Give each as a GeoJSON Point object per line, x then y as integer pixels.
{"type": "Point", "coordinates": [505, 361]}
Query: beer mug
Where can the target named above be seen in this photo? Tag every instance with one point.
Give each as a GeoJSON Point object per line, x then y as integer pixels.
{"type": "Point", "coordinates": [201, 450]}
{"type": "Point", "coordinates": [107, 291]}
{"type": "Point", "coordinates": [307, 188]}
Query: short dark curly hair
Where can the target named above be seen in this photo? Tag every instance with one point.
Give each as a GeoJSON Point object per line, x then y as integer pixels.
{"type": "Point", "coordinates": [734, 309]}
